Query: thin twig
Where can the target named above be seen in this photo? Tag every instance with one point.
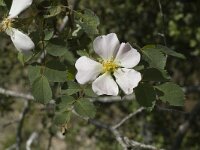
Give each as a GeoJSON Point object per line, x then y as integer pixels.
{"type": "Point", "coordinates": [184, 127]}
{"type": "Point", "coordinates": [20, 126]}
{"type": "Point", "coordinates": [16, 94]}
{"type": "Point", "coordinates": [128, 117]}
{"type": "Point", "coordinates": [163, 23]}
{"type": "Point", "coordinates": [50, 142]}
{"type": "Point", "coordinates": [10, 123]}
{"type": "Point", "coordinates": [30, 140]}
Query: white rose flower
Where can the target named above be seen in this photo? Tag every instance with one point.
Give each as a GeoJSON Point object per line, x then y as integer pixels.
{"type": "Point", "coordinates": [22, 42]}
{"type": "Point", "coordinates": [117, 63]}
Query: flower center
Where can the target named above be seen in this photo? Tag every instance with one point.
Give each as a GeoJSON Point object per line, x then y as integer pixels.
{"type": "Point", "coordinates": [109, 65]}
{"type": "Point", "coordinates": [5, 24]}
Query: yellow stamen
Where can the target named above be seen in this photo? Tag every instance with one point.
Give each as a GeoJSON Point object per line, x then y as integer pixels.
{"type": "Point", "coordinates": [109, 65]}
{"type": "Point", "coordinates": [5, 24]}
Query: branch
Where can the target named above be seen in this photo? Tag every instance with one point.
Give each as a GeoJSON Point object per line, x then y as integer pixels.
{"type": "Point", "coordinates": [119, 138]}
{"type": "Point", "coordinates": [16, 94]}
{"type": "Point", "coordinates": [163, 23]}
{"type": "Point", "coordinates": [21, 123]}
{"type": "Point", "coordinates": [128, 117]}
{"type": "Point", "coordinates": [30, 140]}
{"type": "Point", "coordinates": [10, 123]}
{"type": "Point", "coordinates": [183, 128]}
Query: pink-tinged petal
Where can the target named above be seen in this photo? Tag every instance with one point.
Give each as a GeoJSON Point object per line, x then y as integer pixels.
{"type": "Point", "coordinates": [88, 70]}
{"type": "Point", "coordinates": [127, 56]}
{"type": "Point", "coordinates": [127, 79]}
{"type": "Point", "coordinates": [18, 6]}
{"type": "Point", "coordinates": [22, 42]}
{"type": "Point", "coordinates": [105, 84]}
{"type": "Point", "coordinates": [106, 46]}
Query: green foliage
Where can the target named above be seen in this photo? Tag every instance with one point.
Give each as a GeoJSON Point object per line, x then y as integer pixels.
{"type": "Point", "coordinates": [171, 93]}
{"type": "Point", "coordinates": [163, 49]}
{"type": "Point", "coordinates": [85, 108]}
{"type": "Point", "coordinates": [56, 47]}
{"type": "Point", "coordinates": [2, 3]}
{"type": "Point", "coordinates": [153, 74]}
{"type": "Point", "coordinates": [53, 11]}
{"type": "Point", "coordinates": [145, 95]}
{"type": "Point", "coordinates": [154, 57]}
{"type": "Point", "coordinates": [41, 90]}
{"type": "Point", "coordinates": [55, 71]}
{"type": "Point", "coordinates": [73, 88]}
{"type": "Point", "coordinates": [62, 118]}
{"type": "Point", "coordinates": [66, 102]}
{"type": "Point", "coordinates": [48, 34]}
{"type": "Point", "coordinates": [33, 73]}
{"type": "Point", "coordinates": [88, 22]}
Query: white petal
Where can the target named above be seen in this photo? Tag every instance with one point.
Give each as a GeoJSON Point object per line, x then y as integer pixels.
{"type": "Point", "coordinates": [127, 56]}
{"type": "Point", "coordinates": [127, 79]}
{"type": "Point", "coordinates": [88, 69]}
{"type": "Point", "coordinates": [105, 84]}
{"type": "Point", "coordinates": [22, 42]}
{"type": "Point", "coordinates": [18, 6]}
{"type": "Point", "coordinates": [106, 46]}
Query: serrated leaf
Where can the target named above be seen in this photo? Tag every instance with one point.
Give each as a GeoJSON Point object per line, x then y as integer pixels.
{"type": "Point", "coordinates": [165, 50]}
{"type": "Point", "coordinates": [82, 53]}
{"type": "Point", "coordinates": [62, 118]}
{"type": "Point", "coordinates": [154, 57]}
{"type": "Point", "coordinates": [89, 92]}
{"type": "Point", "coordinates": [48, 34]}
{"type": "Point", "coordinates": [41, 90]}
{"type": "Point", "coordinates": [73, 88]}
{"type": "Point", "coordinates": [85, 108]}
{"type": "Point", "coordinates": [145, 95]}
{"type": "Point", "coordinates": [56, 47]}
{"type": "Point", "coordinates": [55, 71]}
{"type": "Point", "coordinates": [66, 102]}
{"type": "Point", "coordinates": [53, 11]}
{"type": "Point", "coordinates": [171, 93]}
{"type": "Point", "coordinates": [88, 22]}
{"type": "Point", "coordinates": [153, 74]}
{"type": "Point", "coordinates": [69, 57]}
{"type": "Point", "coordinates": [33, 73]}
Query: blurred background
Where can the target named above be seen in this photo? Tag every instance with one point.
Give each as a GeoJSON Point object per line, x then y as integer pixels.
{"type": "Point", "coordinates": [142, 22]}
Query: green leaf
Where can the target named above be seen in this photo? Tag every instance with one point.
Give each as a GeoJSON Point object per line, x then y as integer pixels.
{"type": "Point", "coordinates": [69, 57]}
{"type": "Point", "coordinates": [62, 118]}
{"type": "Point", "coordinates": [55, 71]}
{"type": "Point", "coordinates": [154, 57]}
{"type": "Point", "coordinates": [83, 53]}
{"type": "Point", "coordinates": [73, 88]}
{"type": "Point", "coordinates": [48, 34]}
{"type": "Point", "coordinates": [56, 47]}
{"type": "Point", "coordinates": [66, 102]}
{"type": "Point", "coordinates": [85, 108]}
{"type": "Point", "coordinates": [88, 22]}
{"type": "Point", "coordinates": [165, 50]}
{"type": "Point", "coordinates": [2, 3]}
{"type": "Point", "coordinates": [23, 58]}
{"type": "Point", "coordinates": [153, 74]}
{"type": "Point", "coordinates": [33, 73]}
{"type": "Point", "coordinates": [171, 93]}
{"type": "Point", "coordinates": [41, 90]}
{"type": "Point", "coordinates": [170, 52]}
{"type": "Point", "coordinates": [145, 95]}
{"type": "Point", "coordinates": [20, 57]}
{"type": "Point", "coordinates": [53, 11]}
{"type": "Point", "coordinates": [89, 92]}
